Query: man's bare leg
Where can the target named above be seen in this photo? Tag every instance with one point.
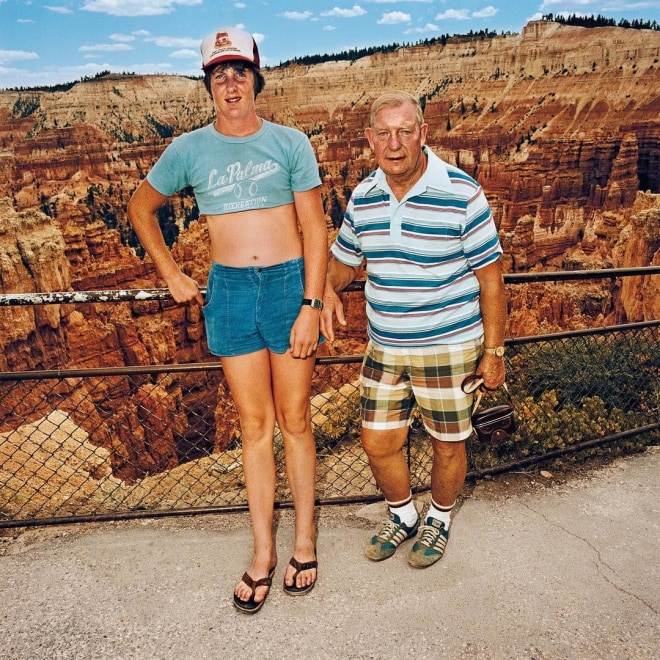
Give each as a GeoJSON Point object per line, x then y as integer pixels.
{"type": "Point", "coordinates": [388, 464]}
{"type": "Point", "coordinates": [250, 383]}
{"type": "Point", "coordinates": [291, 385]}
{"type": "Point", "coordinates": [448, 473]}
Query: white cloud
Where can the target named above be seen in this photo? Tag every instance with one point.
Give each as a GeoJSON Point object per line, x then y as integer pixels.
{"type": "Point", "coordinates": [240, 5]}
{"type": "Point", "coordinates": [453, 14]}
{"type": "Point", "coordinates": [185, 54]}
{"type": "Point", "coordinates": [105, 48]}
{"type": "Point", "coordinates": [174, 42]}
{"type": "Point", "coordinates": [17, 56]}
{"type": "Point", "coordinates": [59, 10]}
{"type": "Point", "coordinates": [394, 18]}
{"type": "Point", "coordinates": [345, 13]}
{"type": "Point", "coordinates": [122, 37]}
{"type": "Point", "coordinates": [328, 28]}
{"type": "Point", "coordinates": [429, 27]}
{"type": "Point", "coordinates": [136, 7]}
{"type": "Point", "coordinates": [47, 76]}
{"type": "Point", "coordinates": [486, 12]}
{"type": "Point", "coordinates": [298, 15]}
{"type": "Point", "coordinates": [550, 3]}
{"type": "Point", "coordinates": [567, 7]}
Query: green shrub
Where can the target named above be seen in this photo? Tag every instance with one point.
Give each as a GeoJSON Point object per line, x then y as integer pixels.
{"type": "Point", "coordinates": [25, 106]}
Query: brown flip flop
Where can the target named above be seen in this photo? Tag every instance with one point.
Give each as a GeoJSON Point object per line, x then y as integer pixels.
{"type": "Point", "coordinates": [250, 606]}
{"type": "Point", "coordinates": [293, 590]}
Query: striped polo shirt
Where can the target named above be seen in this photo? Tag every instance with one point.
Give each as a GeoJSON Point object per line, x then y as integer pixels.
{"type": "Point", "coordinates": [421, 254]}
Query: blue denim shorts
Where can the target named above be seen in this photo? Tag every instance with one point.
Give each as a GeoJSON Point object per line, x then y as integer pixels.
{"type": "Point", "coordinates": [252, 308]}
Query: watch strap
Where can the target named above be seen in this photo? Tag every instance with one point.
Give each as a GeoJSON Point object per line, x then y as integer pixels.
{"type": "Point", "coordinates": [499, 351]}
{"type": "Point", "coordinates": [314, 303]}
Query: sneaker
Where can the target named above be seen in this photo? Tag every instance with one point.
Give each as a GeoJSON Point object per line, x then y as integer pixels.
{"type": "Point", "coordinates": [430, 544]}
{"type": "Point", "coordinates": [393, 533]}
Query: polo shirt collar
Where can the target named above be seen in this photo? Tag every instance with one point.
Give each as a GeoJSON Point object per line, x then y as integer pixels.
{"type": "Point", "coordinates": [435, 177]}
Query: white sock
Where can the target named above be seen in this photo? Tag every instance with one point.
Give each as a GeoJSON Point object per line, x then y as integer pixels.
{"type": "Point", "coordinates": [441, 513]}
{"type": "Point", "coordinates": [407, 512]}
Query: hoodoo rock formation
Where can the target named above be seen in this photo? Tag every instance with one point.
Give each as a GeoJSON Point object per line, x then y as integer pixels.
{"type": "Point", "coordinates": [565, 141]}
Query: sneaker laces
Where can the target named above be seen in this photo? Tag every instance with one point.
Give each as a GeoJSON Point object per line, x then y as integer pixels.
{"type": "Point", "coordinates": [390, 528]}
{"type": "Point", "coordinates": [430, 535]}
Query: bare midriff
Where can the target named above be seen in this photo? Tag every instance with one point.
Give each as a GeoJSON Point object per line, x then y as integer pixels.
{"type": "Point", "coordinates": [255, 238]}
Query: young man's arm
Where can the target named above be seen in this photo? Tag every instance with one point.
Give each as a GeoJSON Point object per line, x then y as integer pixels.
{"type": "Point", "coordinates": [144, 203]}
{"type": "Point", "coordinates": [309, 211]}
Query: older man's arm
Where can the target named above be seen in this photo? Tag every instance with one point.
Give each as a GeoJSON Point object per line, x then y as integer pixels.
{"type": "Point", "coordinates": [492, 300]}
{"type": "Point", "coordinates": [338, 278]}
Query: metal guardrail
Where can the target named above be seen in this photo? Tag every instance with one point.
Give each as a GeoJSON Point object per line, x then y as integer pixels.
{"type": "Point", "coordinates": [125, 442]}
{"type": "Point", "coordinates": [140, 295]}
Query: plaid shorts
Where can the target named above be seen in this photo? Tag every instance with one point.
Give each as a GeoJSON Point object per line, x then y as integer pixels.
{"type": "Point", "coordinates": [394, 381]}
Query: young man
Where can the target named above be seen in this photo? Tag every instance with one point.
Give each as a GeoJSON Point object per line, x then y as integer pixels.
{"type": "Point", "coordinates": [258, 185]}
{"type": "Point", "coordinates": [436, 311]}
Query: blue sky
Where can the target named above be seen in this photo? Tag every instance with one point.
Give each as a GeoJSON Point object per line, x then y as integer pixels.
{"type": "Point", "coordinates": [46, 42]}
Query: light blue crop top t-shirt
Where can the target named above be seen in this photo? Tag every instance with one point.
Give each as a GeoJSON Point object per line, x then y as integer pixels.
{"type": "Point", "coordinates": [231, 174]}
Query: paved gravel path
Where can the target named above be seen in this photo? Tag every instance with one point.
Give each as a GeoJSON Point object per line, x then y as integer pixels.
{"type": "Point", "coordinates": [535, 568]}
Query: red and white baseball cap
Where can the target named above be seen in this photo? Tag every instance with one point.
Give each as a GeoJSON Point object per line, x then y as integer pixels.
{"type": "Point", "coordinates": [228, 44]}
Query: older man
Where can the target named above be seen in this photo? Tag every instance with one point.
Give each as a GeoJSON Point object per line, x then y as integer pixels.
{"type": "Point", "coordinates": [435, 309]}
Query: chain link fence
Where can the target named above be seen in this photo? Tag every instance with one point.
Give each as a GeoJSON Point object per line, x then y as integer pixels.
{"type": "Point", "coordinates": [106, 443]}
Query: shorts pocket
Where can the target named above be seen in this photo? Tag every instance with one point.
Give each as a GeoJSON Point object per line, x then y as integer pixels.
{"type": "Point", "coordinates": [208, 298]}
{"type": "Point", "coordinates": [294, 289]}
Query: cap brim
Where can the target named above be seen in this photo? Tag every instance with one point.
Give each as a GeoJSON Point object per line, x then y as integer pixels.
{"type": "Point", "coordinates": [228, 58]}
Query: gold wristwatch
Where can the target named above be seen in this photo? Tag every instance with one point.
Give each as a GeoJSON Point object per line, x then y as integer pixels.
{"type": "Point", "coordinates": [499, 351]}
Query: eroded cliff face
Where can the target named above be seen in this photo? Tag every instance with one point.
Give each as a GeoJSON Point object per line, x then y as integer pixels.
{"type": "Point", "coordinates": [564, 140]}
{"type": "Point", "coordinates": [143, 424]}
